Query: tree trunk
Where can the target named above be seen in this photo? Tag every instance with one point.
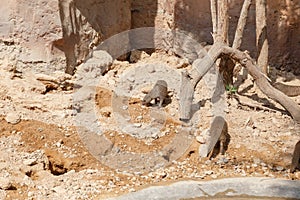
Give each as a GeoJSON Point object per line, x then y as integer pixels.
{"type": "Point", "coordinates": [238, 41]}
{"type": "Point", "coordinates": [221, 48]}
{"type": "Point", "coordinates": [67, 13]}
{"type": "Point", "coordinates": [202, 66]}
{"type": "Point", "coordinates": [261, 36]}
{"type": "Point", "coordinates": [190, 80]}
{"type": "Point", "coordinates": [226, 64]}
{"type": "Point", "coordinates": [187, 95]}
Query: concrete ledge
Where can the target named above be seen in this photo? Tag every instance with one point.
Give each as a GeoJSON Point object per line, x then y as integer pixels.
{"type": "Point", "coordinates": [254, 188]}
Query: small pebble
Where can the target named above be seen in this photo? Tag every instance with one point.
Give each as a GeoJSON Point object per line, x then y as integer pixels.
{"type": "Point", "coordinates": [137, 125]}
{"type": "Point", "coordinates": [30, 194]}
{"type": "Point", "coordinates": [208, 162]}
{"type": "Point", "coordinates": [13, 118]}
{"type": "Point", "coordinates": [5, 184]}
{"type": "Point", "coordinates": [209, 172]}
{"type": "Point", "coordinates": [279, 168]}
{"type": "Point", "coordinates": [222, 161]}
{"type": "Point", "coordinates": [201, 139]}
{"type": "Point", "coordinates": [254, 165]}
{"type": "Point", "coordinates": [30, 162]}
{"type": "Point", "coordinates": [263, 164]}
{"type": "Point", "coordinates": [256, 160]}
{"type": "Point", "coordinates": [214, 176]}
{"type": "Point", "coordinates": [297, 175]}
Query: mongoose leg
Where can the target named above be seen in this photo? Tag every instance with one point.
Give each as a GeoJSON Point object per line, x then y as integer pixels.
{"type": "Point", "coordinates": [222, 143]}
{"type": "Point", "coordinates": [296, 158]}
{"type": "Point", "coordinates": [210, 154]}
{"type": "Point", "coordinates": [161, 100]}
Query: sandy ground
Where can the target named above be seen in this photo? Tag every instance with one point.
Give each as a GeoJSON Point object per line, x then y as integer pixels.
{"type": "Point", "coordinates": [43, 154]}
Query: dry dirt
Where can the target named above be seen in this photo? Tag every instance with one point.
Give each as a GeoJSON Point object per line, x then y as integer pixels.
{"type": "Point", "coordinates": [43, 157]}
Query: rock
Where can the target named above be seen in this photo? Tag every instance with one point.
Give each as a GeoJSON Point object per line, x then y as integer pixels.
{"type": "Point", "coordinates": [137, 55]}
{"type": "Point", "coordinates": [100, 62]}
{"type": "Point", "coordinates": [42, 174]}
{"type": "Point", "coordinates": [58, 144]}
{"type": "Point", "coordinates": [214, 176]}
{"type": "Point", "coordinates": [279, 168]}
{"type": "Point", "coordinates": [250, 123]}
{"type": "Point", "coordinates": [222, 161]}
{"type": "Point", "coordinates": [254, 165]}
{"type": "Point", "coordinates": [202, 176]}
{"type": "Point", "coordinates": [256, 160]}
{"type": "Point", "coordinates": [30, 194]}
{"type": "Point", "coordinates": [6, 184]}
{"type": "Point", "coordinates": [264, 168]}
{"type": "Point", "coordinates": [209, 172]}
{"type": "Point", "coordinates": [30, 162]}
{"type": "Point", "coordinates": [200, 139]}
{"type": "Point", "coordinates": [253, 188]}
{"type": "Point", "coordinates": [288, 133]}
{"type": "Point", "coordinates": [297, 175]}
{"type": "Point", "coordinates": [132, 190]}
{"type": "Point", "coordinates": [139, 117]}
{"type": "Point", "coordinates": [208, 162]}
{"type": "Point", "coordinates": [91, 171]}
{"type": "Point", "coordinates": [59, 189]}
{"type": "Point", "coordinates": [137, 125]}
{"type": "Point", "coordinates": [13, 118]}
{"type": "Point", "coordinates": [131, 78]}
{"type": "Point", "coordinates": [150, 69]}
{"type": "Point", "coordinates": [97, 65]}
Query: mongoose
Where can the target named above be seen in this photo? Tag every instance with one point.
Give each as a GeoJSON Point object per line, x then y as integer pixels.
{"type": "Point", "coordinates": [223, 141]}
{"type": "Point", "coordinates": [289, 90]}
{"type": "Point", "coordinates": [296, 158]}
{"type": "Point", "coordinates": [159, 91]}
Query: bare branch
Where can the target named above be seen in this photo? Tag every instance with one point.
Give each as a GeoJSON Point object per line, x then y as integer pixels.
{"type": "Point", "coordinates": [189, 81]}
{"type": "Point", "coordinates": [241, 25]}
{"type": "Point", "coordinates": [223, 21]}
{"type": "Point", "coordinates": [261, 35]}
{"type": "Point", "coordinates": [213, 9]}
{"type": "Point", "coordinates": [201, 67]}
{"type": "Point", "coordinates": [262, 82]}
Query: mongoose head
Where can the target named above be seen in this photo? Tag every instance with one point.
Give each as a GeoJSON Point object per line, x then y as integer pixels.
{"type": "Point", "coordinates": [161, 83]}
{"type": "Point", "coordinates": [157, 90]}
{"type": "Point", "coordinates": [147, 99]}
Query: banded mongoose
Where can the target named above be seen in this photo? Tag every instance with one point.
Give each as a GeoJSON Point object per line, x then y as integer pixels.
{"type": "Point", "coordinates": [223, 140]}
{"type": "Point", "coordinates": [296, 158]}
{"type": "Point", "coordinates": [159, 91]}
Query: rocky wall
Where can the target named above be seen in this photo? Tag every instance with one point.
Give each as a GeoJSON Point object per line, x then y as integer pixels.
{"type": "Point", "coordinates": [48, 31]}
{"type": "Point", "coordinates": [194, 17]}
{"type": "Point", "coordinates": [85, 23]}
{"type": "Point", "coordinates": [58, 32]}
{"type": "Point", "coordinates": [34, 25]}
